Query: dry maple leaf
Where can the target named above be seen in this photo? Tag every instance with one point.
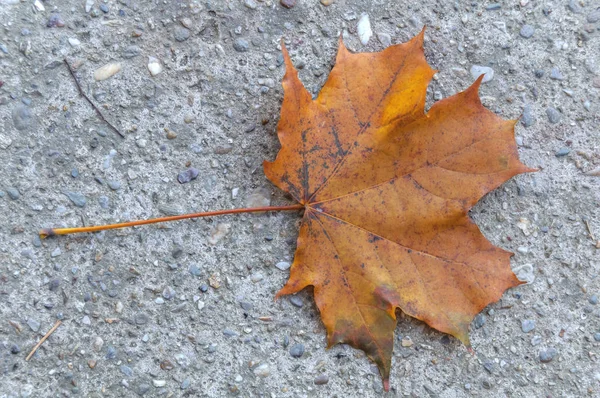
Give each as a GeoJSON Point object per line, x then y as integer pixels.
{"type": "Point", "coordinates": [387, 190]}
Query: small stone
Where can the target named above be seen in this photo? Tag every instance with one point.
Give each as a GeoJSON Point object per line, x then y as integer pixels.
{"type": "Point", "coordinates": [131, 52]}
{"type": "Point", "coordinates": [194, 270]}
{"type": "Point", "coordinates": [527, 118]}
{"type": "Point", "coordinates": [77, 198]}
{"type": "Point", "coordinates": [159, 383]}
{"type": "Point", "coordinates": [297, 350]}
{"type": "Point", "coordinates": [385, 39]}
{"type": "Point", "coordinates": [555, 74]}
{"type": "Point", "coordinates": [114, 185]}
{"type": "Point", "coordinates": [106, 71]}
{"type": "Point", "coordinates": [527, 31]}
{"type": "Point", "coordinates": [185, 384]}
{"type": "Point", "coordinates": [126, 370]}
{"type": "Point", "coordinates": [200, 304]}
{"type": "Point", "coordinates": [327, 3]}
{"type": "Point", "coordinates": [574, 6]}
{"type": "Point", "coordinates": [104, 8]}
{"type": "Point", "coordinates": [141, 319]}
{"type": "Point", "coordinates": [479, 321]}
{"type": "Point", "coordinates": [525, 273]}
{"type": "Point", "coordinates": [262, 370]}
{"type": "Point", "coordinates": [406, 341]}
{"type": "Point", "coordinates": [154, 66]}
{"type": "Point", "coordinates": [296, 301]}
{"type": "Point", "coordinates": [321, 379]}
{"type": "Point", "coordinates": [34, 325]}
{"type": "Point", "coordinates": [91, 363]}
{"type": "Point", "coordinates": [527, 325]}
{"type": "Point", "coordinates": [181, 34]}
{"type": "Point", "coordinates": [593, 300]}
{"type": "Point", "coordinates": [186, 176]}
{"type": "Point", "coordinates": [539, 73]}
{"type": "Point", "coordinates": [74, 42]}
{"type": "Point", "coordinates": [548, 355]}
{"type": "Point", "coordinates": [55, 21]}
{"type": "Point", "coordinates": [22, 117]}
{"type": "Point", "coordinates": [553, 115]}
{"type": "Point", "coordinates": [241, 45]}
{"type": "Point", "coordinates": [251, 4]}
{"type": "Point", "coordinates": [119, 307]}
{"type": "Point", "coordinates": [168, 293]}
{"type": "Point", "coordinates": [14, 349]}
{"type": "Point", "coordinates": [594, 16]}
{"type": "Point", "coordinates": [54, 284]}
{"type": "Point", "coordinates": [223, 149]}
{"type": "Point", "coordinates": [283, 265]}
{"type": "Point", "coordinates": [478, 70]}
{"type": "Point", "coordinates": [562, 152]}
{"type": "Point", "coordinates": [97, 344]}
{"type": "Point", "coordinates": [219, 233]}
{"type": "Point", "coordinates": [363, 29]}
{"type": "Point", "coordinates": [229, 333]}
{"type": "Point", "coordinates": [288, 3]}
{"type": "Point", "coordinates": [597, 336]}
{"type": "Point", "coordinates": [13, 193]}
{"type": "Point", "coordinates": [214, 281]}
{"type": "Point", "coordinates": [88, 5]}
{"type": "Point", "coordinates": [142, 389]}
{"type": "Point", "coordinates": [256, 277]}
{"type": "Point", "coordinates": [246, 306]}
{"type": "Point", "coordinates": [5, 141]}
{"type": "Point", "coordinates": [258, 198]}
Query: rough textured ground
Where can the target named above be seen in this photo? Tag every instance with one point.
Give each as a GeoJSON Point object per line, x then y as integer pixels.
{"type": "Point", "coordinates": [160, 311]}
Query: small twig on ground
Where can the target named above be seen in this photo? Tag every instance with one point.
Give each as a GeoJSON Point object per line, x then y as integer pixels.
{"type": "Point", "coordinates": [56, 325]}
{"type": "Point", "coordinates": [587, 224]}
{"type": "Point", "coordinates": [100, 115]}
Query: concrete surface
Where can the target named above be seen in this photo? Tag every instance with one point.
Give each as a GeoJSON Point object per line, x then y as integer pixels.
{"type": "Point", "coordinates": [187, 309]}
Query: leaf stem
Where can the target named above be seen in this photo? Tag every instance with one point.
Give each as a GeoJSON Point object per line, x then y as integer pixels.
{"type": "Point", "coordinates": [65, 231]}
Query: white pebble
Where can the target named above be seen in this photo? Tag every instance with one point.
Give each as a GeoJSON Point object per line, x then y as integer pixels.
{"type": "Point", "coordinates": [154, 66]}
{"type": "Point", "coordinates": [88, 5]}
{"type": "Point", "coordinates": [283, 265]}
{"type": "Point", "coordinates": [219, 233]}
{"type": "Point", "coordinates": [478, 70]}
{"type": "Point", "coordinates": [74, 42]}
{"type": "Point", "coordinates": [5, 141]}
{"type": "Point", "coordinates": [525, 273]}
{"type": "Point", "coordinates": [364, 29]}
{"type": "Point", "coordinates": [159, 383]}
{"type": "Point", "coordinates": [200, 304]}
{"type": "Point", "coordinates": [262, 370]}
{"type": "Point", "coordinates": [39, 6]}
{"type": "Point", "coordinates": [106, 71]}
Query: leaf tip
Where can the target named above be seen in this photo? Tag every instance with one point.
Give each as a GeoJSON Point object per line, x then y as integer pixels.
{"type": "Point", "coordinates": [386, 385]}
{"type": "Point", "coordinates": [475, 86]}
{"type": "Point", "coordinates": [286, 56]}
{"type": "Point", "coordinates": [421, 35]}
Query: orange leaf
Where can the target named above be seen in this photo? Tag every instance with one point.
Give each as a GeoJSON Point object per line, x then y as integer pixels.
{"type": "Point", "coordinates": [387, 190]}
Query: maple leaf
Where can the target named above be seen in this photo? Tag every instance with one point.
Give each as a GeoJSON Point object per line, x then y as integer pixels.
{"type": "Point", "coordinates": [386, 189]}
